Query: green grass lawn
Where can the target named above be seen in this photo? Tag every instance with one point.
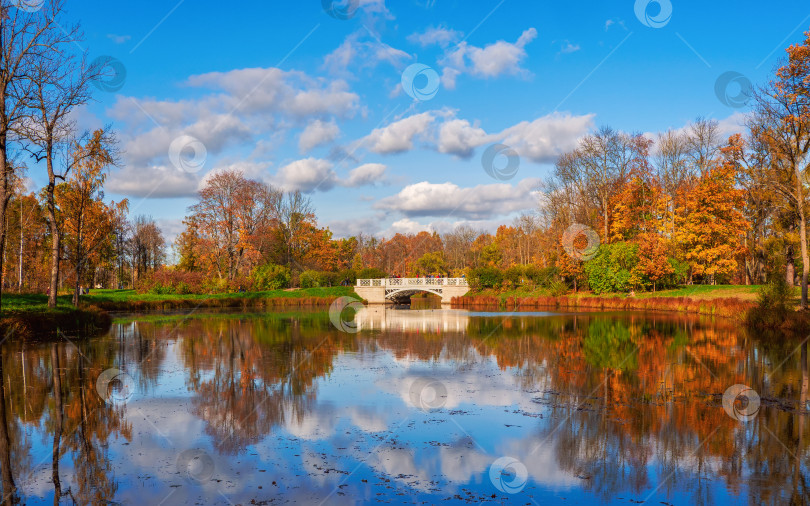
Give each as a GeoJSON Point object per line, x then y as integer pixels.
{"type": "Point", "coordinates": [39, 302]}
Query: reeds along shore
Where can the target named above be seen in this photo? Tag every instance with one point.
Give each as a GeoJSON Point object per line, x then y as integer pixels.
{"type": "Point", "coordinates": [725, 307]}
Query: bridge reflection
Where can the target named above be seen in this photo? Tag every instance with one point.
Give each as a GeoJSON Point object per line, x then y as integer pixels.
{"type": "Point", "coordinates": [430, 321]}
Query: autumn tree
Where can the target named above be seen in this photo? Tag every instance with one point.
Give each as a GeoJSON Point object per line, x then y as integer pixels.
{"type": "Point", "coordinates": [87, 221]}
{"type": "Point", "coordinates": [782, 122]}
{"type": "Point", "coordinates": [711, 223]}
{"type": "Point", "coordinates": [228, 226]}
{"type": "Point", "coordinates": [653, 264]}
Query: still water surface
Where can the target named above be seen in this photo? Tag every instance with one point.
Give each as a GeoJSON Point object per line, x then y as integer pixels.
{"type": "Point", "coordinates": [418, 407]}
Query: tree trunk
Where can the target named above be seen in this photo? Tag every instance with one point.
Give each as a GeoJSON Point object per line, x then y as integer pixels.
{"type": "Point", "coordinates": [22, 244]}
{"type": "Point", "coordinates": [9, 490]}
{"type": "Point", "coordinates": [55, 244]}
{"type": "Point", "coordinates": [5, 191]}
{"type": "Point", "coordinates": [790, 270]}
{"type": "Point", "coordinates": [77, 287]}
{"type": "Point", "coordinates": [803, 237]}
{"type": "Point", "coordinates": [57, 430]}
{"type": "Point", "coordinates": [53, 227]}
{"type": "Point", "coordinates": [605, 210]}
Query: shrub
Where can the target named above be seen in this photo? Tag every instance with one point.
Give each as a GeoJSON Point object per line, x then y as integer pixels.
{"type": "Point", "coordinates": [484, 277]}
{"type": "Point", "coordinates": [776, 295]}
{"type": "Point", "coordinates": [171, 281]}
{"type": "Point", "coordinates": [514, 275]}
{"type": "Point", "coordinates": [557, 288]}
{"type": "Point", "coordinates": [310, 279]}
{"type": "Point", "coordinates": [271, 277]}
{"type": "Point", "coordinates": [611, 269]}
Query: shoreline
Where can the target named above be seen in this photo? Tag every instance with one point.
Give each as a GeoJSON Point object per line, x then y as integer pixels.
{"type": "Point", "coordinates": [93, 319]}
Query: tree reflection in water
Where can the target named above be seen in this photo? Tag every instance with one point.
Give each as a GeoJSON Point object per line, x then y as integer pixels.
{"type": "Point", "coordinates": [622, 405]}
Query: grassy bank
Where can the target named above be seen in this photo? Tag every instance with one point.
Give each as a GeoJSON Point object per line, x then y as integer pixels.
{"type": "Point", "coordinates": [130, 300]}
{"type": "Point", "coordinates": [28, 315]}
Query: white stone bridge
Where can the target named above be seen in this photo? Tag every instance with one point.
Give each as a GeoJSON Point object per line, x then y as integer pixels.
{"type": "Point", "coordinates": [378, 291]}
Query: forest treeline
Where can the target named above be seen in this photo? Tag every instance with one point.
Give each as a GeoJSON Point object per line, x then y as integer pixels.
{"type": "Point", "coordinates": [623, 211]}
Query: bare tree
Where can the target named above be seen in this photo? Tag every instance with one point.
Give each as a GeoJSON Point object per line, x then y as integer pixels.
{"type": "Point", "coordinates": [598, 167]}
{"type": "Point", "coordinates": [703, 145]}
{"type": "Point", "coordinates": [458, 246]}
{"type": "Point", "coordinates": [295, 212]}
{"type": "Point", "coordinates": [60, 83]}
{"type": "Point", "coordinates": [147, 246]}
{"type": "Point", "coordinates": [26, 38]}
{"type": "Point", "coordinates": [671, 161]}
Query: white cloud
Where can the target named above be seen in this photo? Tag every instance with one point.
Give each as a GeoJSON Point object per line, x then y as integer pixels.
{"type": "Point", "coordinates": [399, 136]}
{"type": "Point", "coordinates": [566, 47]}
{"type": "Point", "coordinates": [118, 39]}
{"type": "Point", "coordinates": [242, 106]}
{"type": "Point", "coordinates": [170, 182]}
{"type": "Point", "coordinates": [546, 138]}
{"type": "Point", "coordinates": [352, 227]}
{"type": "Point", "coordinates": [317, 133]}
{"type": "Point", "coordinates": [450, 200]}
{"type": "Point", "coordinates": [362, 51]}
{"type": "Point", "coordinates": [312, 174]}
{"type": "Point", "coordinates": [734, 124]}
{"type": "Point", "coordinates": [611, 22]}
{"type": "Point", "coordinates": [406, 226]}
{"type": "Point", "coordinates": [439, 36]}
{"type": "Point", "coordinates": [541, 140]}
{"type": "Point", "coordinates": [307, 175]}
{"type": "Point", "coordinates": [366, 174]}
{"type": "Point", "coordinates": [459, 137]}
{"type": "Point", "coordinates": [152, 182]}
{"type": "Point", "coordinates": [494, 60]}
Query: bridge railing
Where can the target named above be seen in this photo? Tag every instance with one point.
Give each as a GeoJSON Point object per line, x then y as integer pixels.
{"type": "Point", "coordinates": [402, 282]}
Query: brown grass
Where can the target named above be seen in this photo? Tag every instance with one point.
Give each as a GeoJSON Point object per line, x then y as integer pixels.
{"type": "Point", "coordinates": [219, 303]}
{"type": "Point", "coordinates": [724, 307]}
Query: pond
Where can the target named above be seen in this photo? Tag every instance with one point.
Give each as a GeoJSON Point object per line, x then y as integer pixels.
{"type": "Point", "coordinates": [425, 406]}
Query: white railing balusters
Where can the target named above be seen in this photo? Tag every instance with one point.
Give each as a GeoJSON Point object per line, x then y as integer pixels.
{"type": "Point", "coordinates": [406, 282]}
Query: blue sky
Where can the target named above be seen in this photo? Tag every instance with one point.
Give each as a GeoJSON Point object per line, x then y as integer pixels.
{"type": "Point", "coordinates": [300, 99]}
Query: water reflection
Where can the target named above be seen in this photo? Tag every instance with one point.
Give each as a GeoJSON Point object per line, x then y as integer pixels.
{"type": "Point", "coordinates": [416, 407]}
